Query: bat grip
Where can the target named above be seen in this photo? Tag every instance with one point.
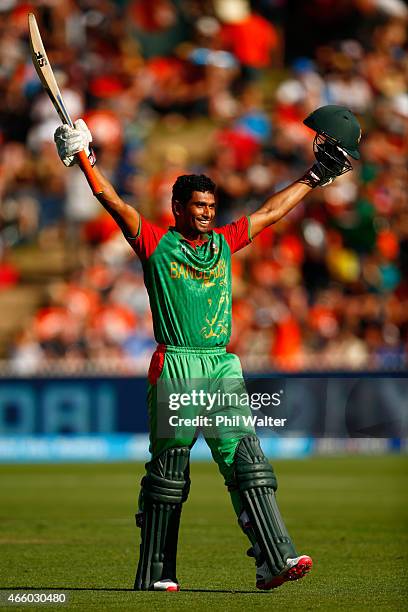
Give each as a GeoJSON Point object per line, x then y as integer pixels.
{"type": "Point", "coordinates": [90, 175]}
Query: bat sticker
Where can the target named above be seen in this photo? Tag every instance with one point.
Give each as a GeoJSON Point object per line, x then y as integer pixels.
{"type": "Point", "coordinates": [41, 60]}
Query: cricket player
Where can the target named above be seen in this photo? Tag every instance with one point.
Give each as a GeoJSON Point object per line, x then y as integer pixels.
{"type": "Point", "coordinates": [187, 273]}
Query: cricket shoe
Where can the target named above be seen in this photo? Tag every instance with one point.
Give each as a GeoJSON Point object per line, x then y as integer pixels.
{"type": "Point", "coordinates": [165, 585]}
{"type": "Point", "coordinates": [294, 569]}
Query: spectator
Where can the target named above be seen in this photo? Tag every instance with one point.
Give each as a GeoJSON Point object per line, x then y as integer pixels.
{"type": "Point", "coordinates": [326, 288]}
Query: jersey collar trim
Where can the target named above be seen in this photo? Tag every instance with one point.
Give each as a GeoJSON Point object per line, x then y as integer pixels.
{"type": "Point", "coordinates": [192, 243]}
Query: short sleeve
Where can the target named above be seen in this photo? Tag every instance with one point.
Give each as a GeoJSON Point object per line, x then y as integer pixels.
{"type": "Point", "coordinates": [146, 240]}
{"type": "Point", "coordinates": [237, 234]}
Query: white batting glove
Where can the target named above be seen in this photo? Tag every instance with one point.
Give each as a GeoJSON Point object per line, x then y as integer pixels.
{"type": "Point", "coordinates": [71, 141]}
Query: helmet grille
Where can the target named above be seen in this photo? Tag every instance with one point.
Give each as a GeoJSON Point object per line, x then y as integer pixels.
{"type": "Point", "coordinates": [330, 155]}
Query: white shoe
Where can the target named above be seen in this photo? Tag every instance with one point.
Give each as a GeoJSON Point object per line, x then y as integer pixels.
{"type": "Point", "coordinates": [165, 585]}
{"type": "Point", "coordinates": [294, 569]}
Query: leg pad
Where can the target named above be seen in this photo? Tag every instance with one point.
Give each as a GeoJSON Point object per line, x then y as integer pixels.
{"type": "Point", "coordinates": [257, 484]}
{"type": "Point", "coordinates": [164, 488]}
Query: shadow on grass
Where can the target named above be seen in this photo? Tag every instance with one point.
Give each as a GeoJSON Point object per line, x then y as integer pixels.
{"type": "Point", "coordinates": [113, 590]}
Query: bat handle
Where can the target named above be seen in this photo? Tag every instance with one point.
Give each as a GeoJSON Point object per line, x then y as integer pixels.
{"type": "Point", "coordinates": [90, 175]}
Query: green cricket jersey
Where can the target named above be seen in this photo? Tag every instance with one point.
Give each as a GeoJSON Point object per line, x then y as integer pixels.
{"type": "Point", "coordinates": [189, 286]}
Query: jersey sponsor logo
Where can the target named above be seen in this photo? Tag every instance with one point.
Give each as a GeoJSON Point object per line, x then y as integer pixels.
{"type": "Point", "coordinates": [185, 271]}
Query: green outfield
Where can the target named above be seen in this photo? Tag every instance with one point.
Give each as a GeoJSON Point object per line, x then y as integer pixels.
{"type": "Point", "coordinates": [71, 528]}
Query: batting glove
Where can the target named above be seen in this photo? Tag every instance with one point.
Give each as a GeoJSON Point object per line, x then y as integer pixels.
{"type": "Point", "coordinates": [71, 141]}
{"type": "Point", "coordinates": [314, 178]}
{"type": "Point", "coordinates": [331, 162]}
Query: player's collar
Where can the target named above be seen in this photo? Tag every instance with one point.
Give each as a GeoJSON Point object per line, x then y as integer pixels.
{"type": "Point", "coordinates": [193, 243]}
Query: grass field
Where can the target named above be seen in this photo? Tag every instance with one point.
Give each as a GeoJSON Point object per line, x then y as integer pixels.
{"type": "Point", "coordinates": [71, 528]}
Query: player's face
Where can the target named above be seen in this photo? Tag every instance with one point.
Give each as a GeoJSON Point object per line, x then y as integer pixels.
{"type": "Point", "coordinates": [199, 213]}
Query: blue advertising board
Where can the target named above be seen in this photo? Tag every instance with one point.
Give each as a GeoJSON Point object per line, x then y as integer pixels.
{"type": "Point", "coordinates": [105, 419]}
{"type": "Point", "coordinates": [72, 406]}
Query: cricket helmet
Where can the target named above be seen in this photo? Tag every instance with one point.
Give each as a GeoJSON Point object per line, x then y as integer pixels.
{"type": "Point", "coordinates": [338, 125]}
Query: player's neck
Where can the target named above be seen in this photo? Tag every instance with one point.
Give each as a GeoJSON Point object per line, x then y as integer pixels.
{"type": "Point", "coordinates": [191, 235]}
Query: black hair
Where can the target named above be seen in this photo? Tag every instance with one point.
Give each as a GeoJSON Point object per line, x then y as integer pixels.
{"type": "Point", "coordinates": [187, 183]}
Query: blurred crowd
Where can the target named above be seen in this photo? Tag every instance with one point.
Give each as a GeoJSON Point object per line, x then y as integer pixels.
{"type": "Point", "coordinates": [220, 87]}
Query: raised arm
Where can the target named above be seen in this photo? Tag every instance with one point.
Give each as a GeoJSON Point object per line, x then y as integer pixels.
{"type": "Point", "coordinates": [127, 217]}
{"type": "Point", "coordinates": [338, 135]}
{"type": "Point", "coordinates": [278, 205]}
{"type": "Point", "coordinates": [70, 141]}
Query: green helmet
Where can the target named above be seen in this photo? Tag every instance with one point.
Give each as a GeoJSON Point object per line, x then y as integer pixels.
{"type": "Point", "coordinates": [339, 124]}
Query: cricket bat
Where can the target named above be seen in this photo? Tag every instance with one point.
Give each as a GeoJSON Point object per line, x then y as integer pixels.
{"type": "Point", "coordinates": [47, 78]}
